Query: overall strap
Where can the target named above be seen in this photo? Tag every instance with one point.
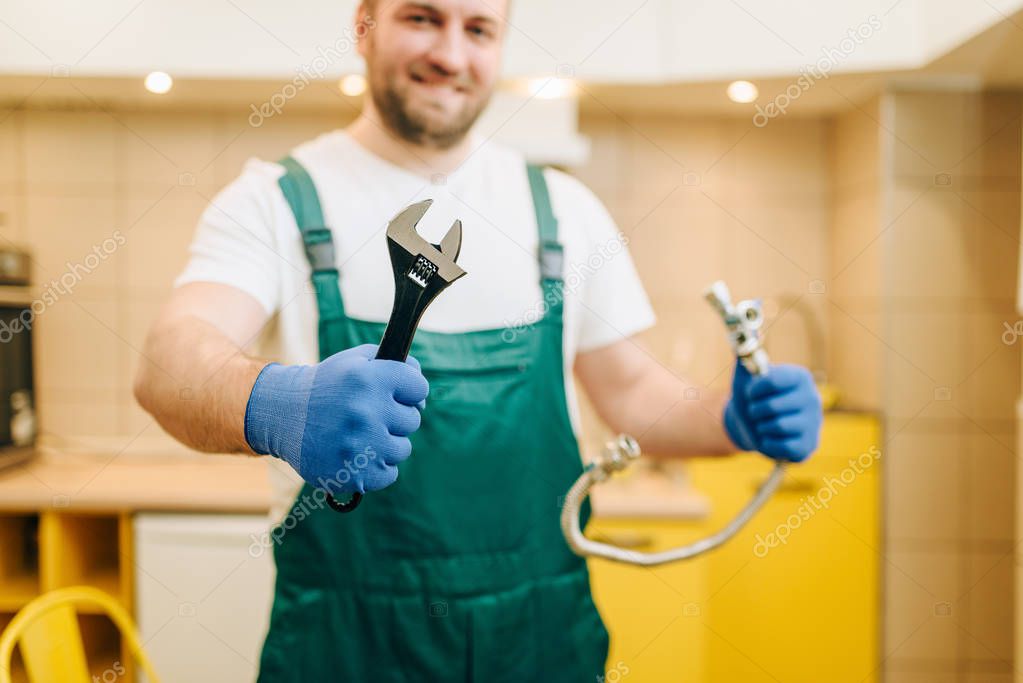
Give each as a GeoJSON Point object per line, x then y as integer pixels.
{"type": "Point", "coordinates": [300, 192]}
{"type": "Point", "coordinates": [551, 254]}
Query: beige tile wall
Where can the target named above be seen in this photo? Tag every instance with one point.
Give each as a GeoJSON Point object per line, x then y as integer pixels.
{"type": "Point", "coordinates": [71, 179]}
{"type": "Point", "coordinates": [947, 212]}
{"type": "Point", "coordinates": [854, 299]}
{"type": "Point", "coordinates": [702, 199]}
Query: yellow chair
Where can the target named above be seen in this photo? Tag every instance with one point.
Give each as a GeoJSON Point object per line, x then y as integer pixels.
{"type": "Point", "coordinates": [47, 632]}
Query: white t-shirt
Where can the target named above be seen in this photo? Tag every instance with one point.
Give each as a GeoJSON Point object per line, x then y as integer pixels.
{"type": "Point", "coordinates": [247, 238]}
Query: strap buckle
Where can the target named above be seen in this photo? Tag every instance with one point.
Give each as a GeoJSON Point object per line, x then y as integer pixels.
{"type": "Point", "coordinates": [319, 249]}
{"type": "Point", "coordinates": [552, 259]}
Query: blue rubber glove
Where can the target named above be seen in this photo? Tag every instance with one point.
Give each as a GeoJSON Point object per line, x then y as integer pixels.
{"type": "Point", "coordinates": [778, 414]}
{"type": "Point", "coordinates": [342, 424]}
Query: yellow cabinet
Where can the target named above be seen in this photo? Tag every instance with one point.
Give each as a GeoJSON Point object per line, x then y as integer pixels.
{"type": "Point", "coordinates": [794, 597]}
{"type": "Point", "coordinates": [44, 550]}
{"type": "Point", "coordinates": [653, 614]}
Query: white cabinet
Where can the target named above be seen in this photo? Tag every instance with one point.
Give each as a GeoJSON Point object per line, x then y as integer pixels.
{"type": "Point", "coordinates": [204, 587]}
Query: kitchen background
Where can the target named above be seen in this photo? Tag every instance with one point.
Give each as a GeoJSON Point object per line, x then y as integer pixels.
{"type": "Point", "coordinates": [879, 218]}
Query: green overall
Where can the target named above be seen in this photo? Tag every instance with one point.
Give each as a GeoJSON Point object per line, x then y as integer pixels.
{"type": "Point", "coordinates": [458, 571]}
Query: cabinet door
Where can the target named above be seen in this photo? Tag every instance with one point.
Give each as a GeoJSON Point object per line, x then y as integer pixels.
{"type": "Point", "coordinates": [795, 596]}
{"type": "Point", "coordinates": [652, 613]}
{"type": "Point", "coordinates": [204, 587]}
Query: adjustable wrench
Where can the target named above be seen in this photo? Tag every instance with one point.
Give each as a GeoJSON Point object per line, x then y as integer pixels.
{"type": "Point", "coordinates": [421, 271]}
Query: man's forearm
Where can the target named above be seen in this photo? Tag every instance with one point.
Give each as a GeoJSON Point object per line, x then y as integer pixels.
{"type": "Point", "coordinates": [672, 417]}
{"type": "Point", "coordinates": [196, 382]}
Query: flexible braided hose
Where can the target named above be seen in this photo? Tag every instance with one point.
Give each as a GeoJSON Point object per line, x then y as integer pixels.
{"type": "Point", "coordinates": [743, 321]}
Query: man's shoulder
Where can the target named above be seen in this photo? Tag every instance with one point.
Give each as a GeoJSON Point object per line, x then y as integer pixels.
{"type": "Point", "coordinates": [324, 146]}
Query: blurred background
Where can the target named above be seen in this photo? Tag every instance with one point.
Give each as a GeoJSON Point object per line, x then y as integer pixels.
{"type": "Point", "coordinates": [855, 165]}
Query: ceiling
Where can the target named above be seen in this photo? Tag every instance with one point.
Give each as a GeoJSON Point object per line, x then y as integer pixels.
{"type": "Point", "coordinates": [992, 59]}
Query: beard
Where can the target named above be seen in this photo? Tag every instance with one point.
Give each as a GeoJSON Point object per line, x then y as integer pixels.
{"type": "Point", "coordinates": [416, 126]}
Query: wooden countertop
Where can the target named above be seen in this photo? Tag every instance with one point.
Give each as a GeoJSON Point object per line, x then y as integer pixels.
{"type": "Point", "coordinates": [213, 483]}
{"type": "Point", "coordinates": [154, 476]}
{"type": "Point", "coordinates": [240, 484]}
{"type": "Point", "coordinates": [648, 495]}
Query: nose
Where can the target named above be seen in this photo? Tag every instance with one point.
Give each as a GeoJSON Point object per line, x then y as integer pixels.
{"type": "Point", "coordinates": [449, 54]}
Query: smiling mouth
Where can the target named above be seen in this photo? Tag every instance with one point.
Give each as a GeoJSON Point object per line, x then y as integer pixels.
{"type": "Point", "coordinates": [455, 87]}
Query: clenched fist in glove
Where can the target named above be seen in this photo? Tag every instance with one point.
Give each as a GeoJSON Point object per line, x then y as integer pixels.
{"type": "Point", "coordinates": [342, 424]}
{"type": "Point", "coordinates": [778, 414]}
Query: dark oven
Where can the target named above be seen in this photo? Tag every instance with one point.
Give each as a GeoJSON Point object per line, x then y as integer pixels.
{"type": "Point", "coordinates": [17, 385]}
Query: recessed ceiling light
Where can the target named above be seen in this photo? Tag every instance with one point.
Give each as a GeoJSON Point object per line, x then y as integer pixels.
{"type": "Point", "coordinates": [742, 91]}
{"type": "Point", "coordinates": [551, 88]}
{"type": "Point", "coordinates": [159, 82]}
{"type": "Point", "coordinates": [353, 85]}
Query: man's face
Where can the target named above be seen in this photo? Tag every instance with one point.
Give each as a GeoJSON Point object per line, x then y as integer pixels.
{"type": "Point", "coordinates": [432, 64]}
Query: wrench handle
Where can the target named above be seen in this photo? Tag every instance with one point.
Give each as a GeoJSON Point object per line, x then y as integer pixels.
{"type": "Point", "coordinates": [346, 506]}
{"type": "Point", "coordinates": [402, 324]}
{"type": "Point", "coordinates": [394, 345]}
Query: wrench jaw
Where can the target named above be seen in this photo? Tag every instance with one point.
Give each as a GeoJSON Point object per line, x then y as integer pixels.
{"type": "Point", "coordinates": [421, 271]}
{"type": "Point", "coordinates": [402, 232]}
{"type": "Point", "coordinates": [451, 245]}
